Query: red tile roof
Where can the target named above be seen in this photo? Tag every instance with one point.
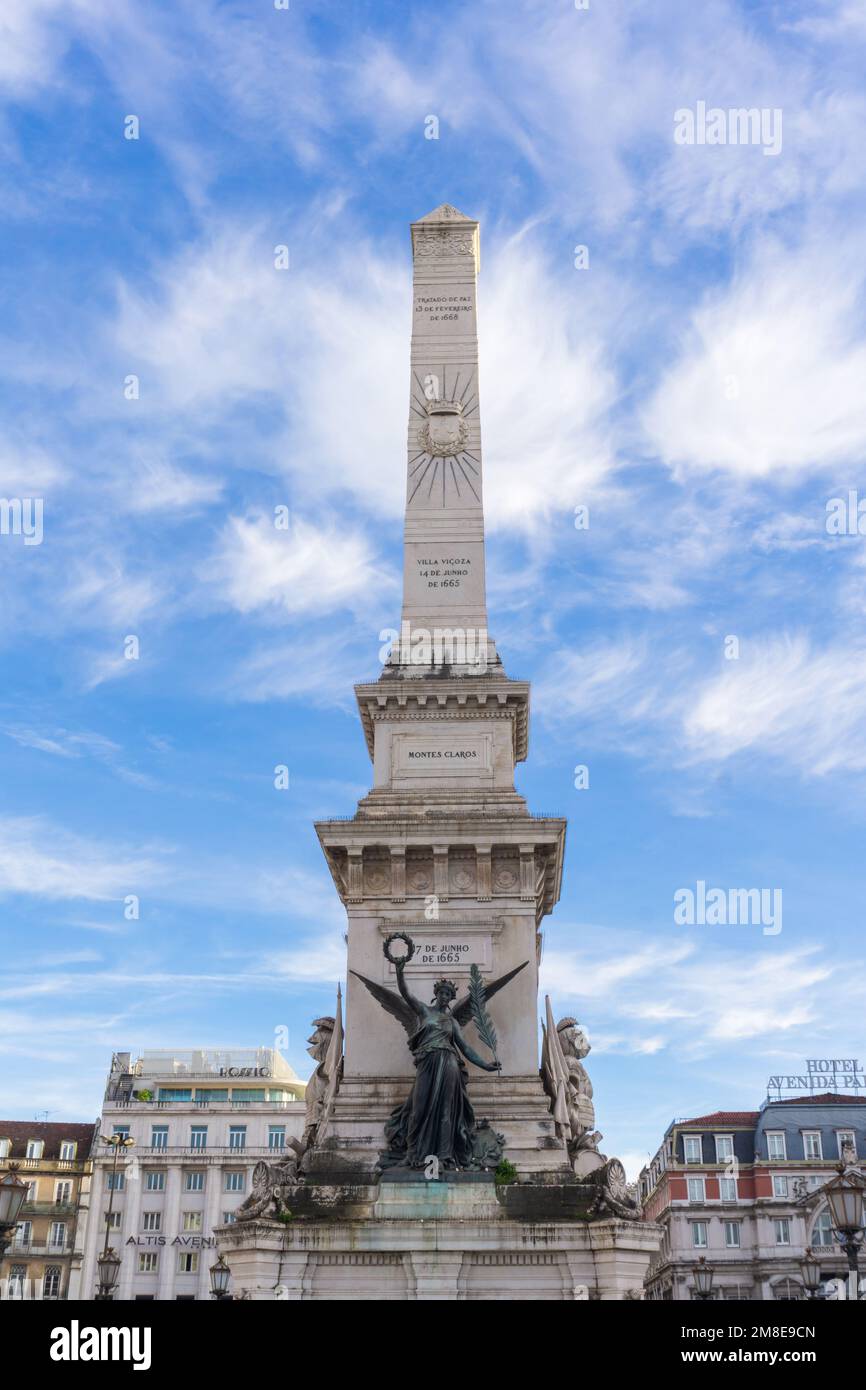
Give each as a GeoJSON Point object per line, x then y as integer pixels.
{"type": "Point", "coordinates": [19, 1131]}
{"type": "Point", "coordinates": [726, 1117]}
{"type": "Point", "coordinates": [823, 1098]}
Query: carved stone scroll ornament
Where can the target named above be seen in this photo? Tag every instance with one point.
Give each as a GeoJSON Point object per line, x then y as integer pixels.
{"type": "Point", "coordinates": [612, 1197]}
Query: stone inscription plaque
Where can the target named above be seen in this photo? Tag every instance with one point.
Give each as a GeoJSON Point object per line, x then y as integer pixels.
{"type": "Point", "coordinates": [448, 755]}
{"type": "Point", "coordinates": [441, 952]}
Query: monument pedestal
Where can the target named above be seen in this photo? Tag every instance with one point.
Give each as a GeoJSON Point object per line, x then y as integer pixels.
{"type": "Point", "coordinates": [452, 1240]}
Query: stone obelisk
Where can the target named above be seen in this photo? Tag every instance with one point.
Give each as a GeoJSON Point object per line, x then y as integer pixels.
{"type": "Point", "coordinates": [443, 577]}
{"type": "Point", "coordinates": [444, 850]}
{"type": "Point", "coordinates": [443, 846]}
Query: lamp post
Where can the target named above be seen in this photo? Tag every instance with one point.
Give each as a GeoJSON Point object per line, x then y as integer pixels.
{"type": "Point", "coordinates": [220, 1274]}
{"type": "Point", "coordinates": [810, 1272]}
{"type": "Point", "coordinates": [12, 1195]}
{"type": "Point", "coordinates": [108, 1262]}
{"type": "Point", "coordinates": [845, 1199]}
{"type": "Point", "coordinates": [704, 1274]}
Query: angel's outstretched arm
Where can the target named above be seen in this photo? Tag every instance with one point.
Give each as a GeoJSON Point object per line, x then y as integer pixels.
{"type": "Point", "coordinates": [469, 1052]}
{"type": "Point", "coordinates": [405, 991]}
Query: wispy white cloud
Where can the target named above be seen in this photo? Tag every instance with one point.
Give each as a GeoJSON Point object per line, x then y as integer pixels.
{"type": "Point", "coordinates": [697, 996]}
{"type": "Point", "coordinates": [769, 376]}
{"type": "Point", "coordinates": [44, 860]}
{"type": "Point", "coordinates": [784, 699]}
{"type": "Point", "coordinates": [307, 569]}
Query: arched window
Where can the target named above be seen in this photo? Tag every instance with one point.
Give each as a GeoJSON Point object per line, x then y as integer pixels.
{"type": "Point", "coordinates": [822, 1230]}
{"type": "Point", "coordinates": [51, 1282]}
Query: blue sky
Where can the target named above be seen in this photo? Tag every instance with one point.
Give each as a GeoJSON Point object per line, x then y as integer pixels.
{"type": "Point", "coordinates": [701, 387]}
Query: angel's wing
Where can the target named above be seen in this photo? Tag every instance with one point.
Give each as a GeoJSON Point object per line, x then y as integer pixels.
{"type": "Point", "coordinates": [463, 1011]}
{"type": "Point", "coordinates": [393, 1003]}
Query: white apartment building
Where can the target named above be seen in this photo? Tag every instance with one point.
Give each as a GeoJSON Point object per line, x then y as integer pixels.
{"type": "Point", "coordinates": [201, 1120]}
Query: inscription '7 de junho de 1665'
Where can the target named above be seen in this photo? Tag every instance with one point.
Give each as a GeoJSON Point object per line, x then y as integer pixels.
{"type": "Point", "coordinates": [448, 953]}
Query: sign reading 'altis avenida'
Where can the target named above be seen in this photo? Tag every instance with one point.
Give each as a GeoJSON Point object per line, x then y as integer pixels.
{"type": "Point", "coordinates": [823, 1074]}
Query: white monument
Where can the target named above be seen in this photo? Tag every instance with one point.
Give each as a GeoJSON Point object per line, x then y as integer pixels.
{"type": "Point", "coordinates": [446, 877]}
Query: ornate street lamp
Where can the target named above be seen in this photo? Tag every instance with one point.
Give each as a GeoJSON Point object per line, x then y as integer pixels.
{"type": "Point", "coordinates": [108, 1263]}
{"type": "Point", "coordinates": [12, 1196]}
{"type": "Point", "coordinates": [220, 1274]}
{"type": "Point", "coordinates": [810, 1271]}
{"type": "Point", "coordinates": [704, 1274]}
{"type": "Point", "coordinates": [845, 1199]}
{"type": "Point", "coordinates": [109, 1267]}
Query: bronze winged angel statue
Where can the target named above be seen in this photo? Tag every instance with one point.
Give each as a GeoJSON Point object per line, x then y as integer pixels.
{"type": "Point", "coordinates": [437, 1118]}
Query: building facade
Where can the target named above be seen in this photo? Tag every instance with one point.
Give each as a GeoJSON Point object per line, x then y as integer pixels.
{"type": "Point", "coordinates": [45, 1257]}
{"type": "Point", "coordinates": [200, 1121]}
{"type": "Point", "coordinates": [727, 1186]}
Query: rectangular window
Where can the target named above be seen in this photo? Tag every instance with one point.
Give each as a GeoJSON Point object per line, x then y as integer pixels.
{"type": "Point", "coordinates": [699, 1234]}
{"type": "Point", "coordinates": [692, 1148]}
{"type": "Point", "coordinates": [728, 1189]}
{"type": "Point", "coordinates": [148, 1262]}
{"type": "Point", "coordinates": [175, 1093]}
{"type": "Point", "coordinates": [237, 1136]}
{"type": "Point", "coordinates": [32, 1190]}
{"type": "Point", "coordinates": [192, 1221]}
{"type": "Point", "coordinates": [276, 1136]}
{"type": "Point", "coordinates": [235, 1182]}
{"type": "Point", "coordinates": [17, 1276]}
{"type": "Point", "coordinates": [776, 1146]}
{"type": "Point", "coordinates": [697, 1190]}
{"type": "Point", "coordinates": [121, 1129]}
{"type": "Point", "coordinates": [159, 1136]}
{"type": "Point", "coordinates": [782, 1229]}
{"type": "Point", "coordinates": [843, 1137]}
{"type": "Point", "coordinates": [194, 1182]}
{"type": "Point", "coordinates": [116, 1181]}
{"type": "Point", "coordinates": [112, 1222]}
{"type": "Point", "coordinates": [229, 1218]}
{"type": "Point", "coordinates": [187, 1262]}
{"type": "Point", "coordinates": [780, 1185]}
{"type": "Point", "coordinates": [5, 1148]}
{"type": "Point", "coordinates": [154, 1181]}
{"type": "Point", "coordinates": [151, 1220]}
{"type": "Point", "coordinates": [812, 1143]}
{"type": "Point", "coordinates": [35, 1148]}
{"type": "Point", "coordinates": [724, 1147]}
{"type": "Point", "coordinates": [57, 1235]}
{"type": "Point", "coordinates": [63, 1192]}
{"type": "Point", "coordinates": [23, 1234]}
{"type": "Point", "coordinates": [68, 1149]}
{"type": "Point", "coordinates": [209, 1095]}
{"type": "Point", "coordinates": [732, 1234]}
{"type": "Point", "coordinates": [198, 1136]}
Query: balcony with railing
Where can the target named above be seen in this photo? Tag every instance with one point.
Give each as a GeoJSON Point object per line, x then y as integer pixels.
{"type": "Point", "coordinates": [58, 1210]}
{"type": "Point", "coordinates": [40, 1247]}
{"type": "Point", "coordinates": [146, 1153]}
{"type": "Point", "coordinates": [295, 1103]}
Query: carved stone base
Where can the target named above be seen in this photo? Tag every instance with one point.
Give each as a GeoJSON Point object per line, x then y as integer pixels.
{"type": "Point", "coordinates": [449, 1241]}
